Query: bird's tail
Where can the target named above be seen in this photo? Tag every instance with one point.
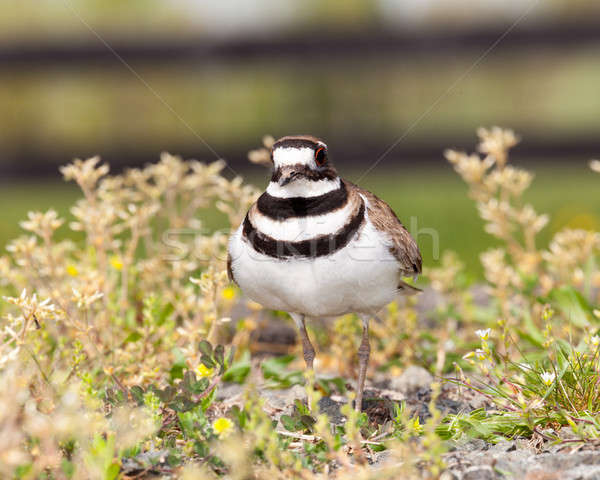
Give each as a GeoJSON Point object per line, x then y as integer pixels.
{"type": "Point", "coordinates": [407, 288]}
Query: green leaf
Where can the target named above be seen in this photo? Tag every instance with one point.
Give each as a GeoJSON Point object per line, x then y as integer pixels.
{"type": "Point", "coordinates": [137, 393]}
{"type": "Point", "coordinates": [208, 400]}
{"type": "Point", "coordinates": [112, 472]}
{"type": "Point", "coordinates": [186, 420]}
{"type": "Point", "coordinates": [114, 396]}
{"type": "Point", "coordinates": [329, 384]}
{"type": "Point", "coordinates": [176, 371]}
{"type": "Point", "coordinates": [67, 467]}
{"type": "Point", "coordinates": [220, 355]}
{"type": "Point", "coordinates": [307, 421]}
{"type": "Point", "coordinates": [200, 385]}
{"type": "Point", "coordinates": [291, 424]}
{"type": "Point", "coordinates": [133, 337]}
{"type": "Point", "coordinates": [239, 370]}
{"type": "Point", "coordinates": [274, 369]}
{"type": "Point", "coordinates": [531, 332]}
{"type": "Point", "coordinates": [189, 380]}
{"type": "Point", "coordinates": [178, 366]}
{"type": "Point", "coordinates": [207, 361]}
{"type": "Point", "coordinates": [240, 415]}
{"type": "Point", "coordinates": [182, 404]}
{"type": "Point", "coordinates": [165, 395]}
{"type": "Point", "coordinates": [22, 471]}
{"type": "Point", "coordinates": [165, 312]}
{"type": "Point", "coordinates": [205, 348]}
{"type": "Point", "coordinates": [301, 408]}
{"type": "Point", "coordinates": [572, 304]}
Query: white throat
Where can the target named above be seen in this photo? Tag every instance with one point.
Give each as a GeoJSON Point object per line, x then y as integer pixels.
{"type": "Point", "coordinates": [303, 188]}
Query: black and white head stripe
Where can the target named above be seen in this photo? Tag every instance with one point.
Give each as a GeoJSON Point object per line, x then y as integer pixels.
{"type": "Point", "coordinates": [308, 173]}
{"type": "Point", "coordinates": [303, 156]}
{"type": "Point", "coordinates": [299, 141]}
{"type": "Point", "coordinates": [318, 246]}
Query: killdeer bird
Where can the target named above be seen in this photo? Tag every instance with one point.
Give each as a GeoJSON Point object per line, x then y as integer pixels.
{"type": "Point", "coordinates": [316, 245]}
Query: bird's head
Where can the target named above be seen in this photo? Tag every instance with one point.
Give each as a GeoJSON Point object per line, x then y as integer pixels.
{"type": "Point", "coordinates": [300, 158]}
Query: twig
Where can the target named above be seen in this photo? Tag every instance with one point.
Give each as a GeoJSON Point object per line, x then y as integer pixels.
{"type": "Point", "coordinates": [583, 420]}
{"type": "Point", "coordinates": [209, 389]}
{"type": "Point", "coordinates": [308, 438]}
{"type": "Point", "coordinates": [315, 438]}
{"type": "Point", "coordinates": [543, 435]}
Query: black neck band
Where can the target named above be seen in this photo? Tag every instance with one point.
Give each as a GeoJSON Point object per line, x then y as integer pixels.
{"type": "Point", "coordinates": [279, 208]}
{"type": "Point", "coordinates": [312, 248]}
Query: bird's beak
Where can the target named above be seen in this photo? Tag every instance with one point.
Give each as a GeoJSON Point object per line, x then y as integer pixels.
{"type": "Point", "coordinates": [288, 176]}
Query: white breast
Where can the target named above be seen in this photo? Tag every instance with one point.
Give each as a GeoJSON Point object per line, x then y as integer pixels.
{"type": "Point", "coordinates": [303, 188]}
{"type": "Point", "coordinates": [362, 277]}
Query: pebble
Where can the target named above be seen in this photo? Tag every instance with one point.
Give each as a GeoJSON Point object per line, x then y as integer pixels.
{"type": "Point", "coordinates": [412, 380]}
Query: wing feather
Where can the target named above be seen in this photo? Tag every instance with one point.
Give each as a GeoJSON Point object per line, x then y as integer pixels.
{"type": "Point", "coordinates": [383, 218]}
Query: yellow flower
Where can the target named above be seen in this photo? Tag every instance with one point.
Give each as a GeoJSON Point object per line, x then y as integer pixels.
{"type": "Point", "coordinates": [483, 334]}
{"type": "Point", "coordinates": [228, 293]}
{"type": "Point", "coordinates": [222, 426]}
{"type": "Point", "coordinates": [416, 426]}
{"type": "Point", "coordinates": [116, 262]}
{"type": "Point", "coordinates": [72, 270]}
{"type": "Point", "coordinates": [203, 371]}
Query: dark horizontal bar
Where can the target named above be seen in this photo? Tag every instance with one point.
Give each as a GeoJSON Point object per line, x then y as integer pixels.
{"type": "Point", "coordinates": [321, 44]}
{"type": "Point", "coordinates": [28, 162]}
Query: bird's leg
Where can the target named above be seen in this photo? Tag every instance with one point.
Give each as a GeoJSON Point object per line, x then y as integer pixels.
{"type": "Point", "coordinates": [308, 351]}
{"type": "Point", "coordinates": [363, 361]}
{"type": "Point", "coordinates": [307, 348]}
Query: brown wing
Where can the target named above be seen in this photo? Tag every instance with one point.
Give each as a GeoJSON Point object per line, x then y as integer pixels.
{"type": "Point", "coordinates": [383, 218]}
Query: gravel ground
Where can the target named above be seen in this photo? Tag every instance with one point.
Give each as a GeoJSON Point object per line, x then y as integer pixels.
{"type": "Point", "coordinates": [527, 459]}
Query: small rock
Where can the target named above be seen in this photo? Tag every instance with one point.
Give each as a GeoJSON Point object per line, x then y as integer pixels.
{"type": "Point", "coordinates": [537, 474]}
{"type": "Point", "coordinates": [382, 459]}
{"type": "Point", "coordinates": [484, 472]}
{"type": "Point", "coordinates": [583, 472]}
{"type": "Point", "coordinates": [332, 409]}
{"type": "Point", "coordinates": [274, 333]}
{"type": "Point", "coordinates": [473, 445]}
{"type": "Point", "coordinates": [280, 399]}
{"type": "Point", "coordinates": [226, 391]}
{"type": "Point", "coordinates": [448, 475]}
{"type": "Point", "coordinates": [505, 446]}
{"type": "Point", "coordinates": [144, 461]}
{"type": "Point", "coordinates": [568, 461]}
{"type": "Point", "coordinates": [412, 380]}
{"type": "Point", "coordinates": [566, 433]}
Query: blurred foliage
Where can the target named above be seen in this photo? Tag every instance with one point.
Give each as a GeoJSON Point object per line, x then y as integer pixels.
{"type": "Point", "coordinates": [31, 20]}
{"type": "Point", "coordinates": [420, 198]}
{"type": "Point", "coordinates": [28, 21]}
{"type": "Point", "coordinates": [111, 350]}
{"type": "Point", "coordinates": [375, 101]}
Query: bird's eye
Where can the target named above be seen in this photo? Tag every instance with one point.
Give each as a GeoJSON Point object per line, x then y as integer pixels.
{"type": "Point", "coordinates": [320, 156]}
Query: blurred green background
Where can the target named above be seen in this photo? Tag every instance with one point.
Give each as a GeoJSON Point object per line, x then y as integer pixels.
{"type": "Point", "coordinates": [127, 80]}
